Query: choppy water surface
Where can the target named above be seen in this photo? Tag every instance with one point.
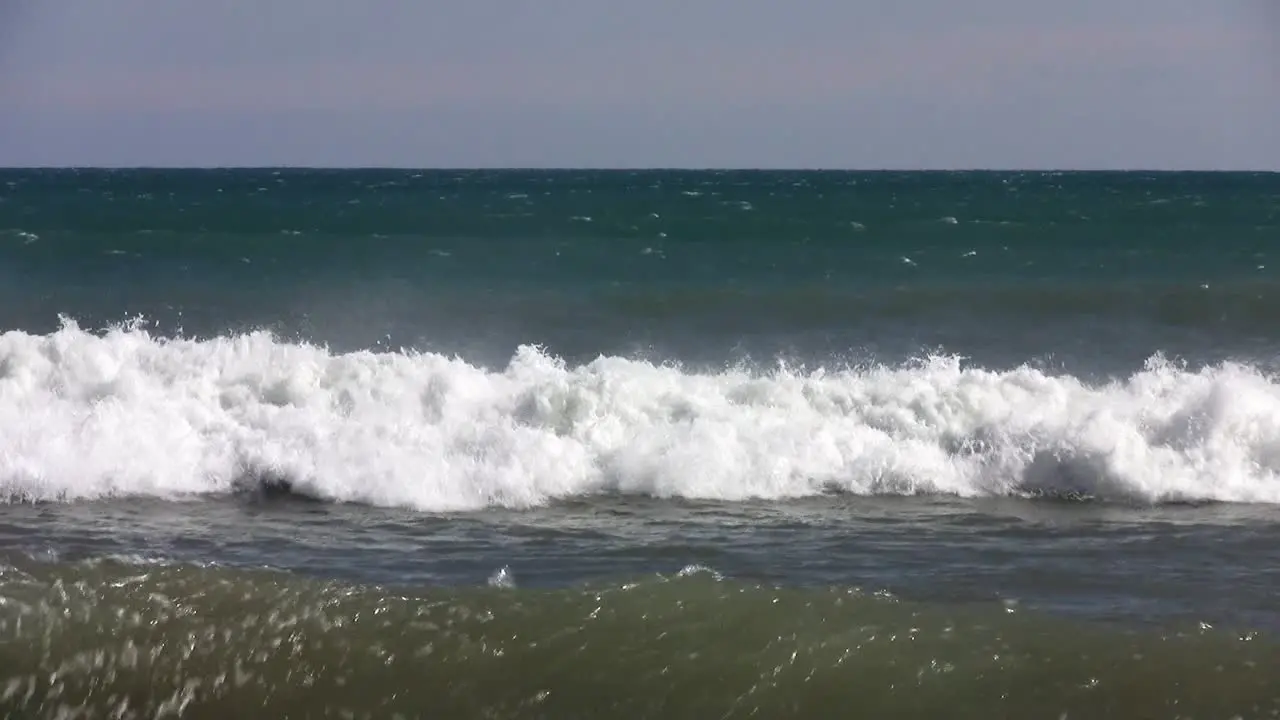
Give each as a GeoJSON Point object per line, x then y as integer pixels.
{"type": "Point", "coordinates": [455, 444]}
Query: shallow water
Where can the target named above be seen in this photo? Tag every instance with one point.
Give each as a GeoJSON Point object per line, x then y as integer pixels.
{"type": "Point", "coordinates": [900, 608]}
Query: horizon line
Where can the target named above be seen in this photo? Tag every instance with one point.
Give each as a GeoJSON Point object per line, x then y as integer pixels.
{"type": "Point", "coordinates": [640, 168]}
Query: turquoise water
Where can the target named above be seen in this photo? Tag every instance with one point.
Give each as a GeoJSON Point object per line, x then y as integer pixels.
{"type": "Point", "coordinates": [1004, 267]}
{"type": "Point", "coordinates": [638, 444]}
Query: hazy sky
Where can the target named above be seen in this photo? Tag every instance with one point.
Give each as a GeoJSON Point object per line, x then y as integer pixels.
{"type": "Point", "coordinates": [686, 83]}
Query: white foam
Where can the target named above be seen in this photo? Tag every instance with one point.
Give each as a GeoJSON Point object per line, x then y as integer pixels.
{"type": "Point", "coordinates": [85, 416]}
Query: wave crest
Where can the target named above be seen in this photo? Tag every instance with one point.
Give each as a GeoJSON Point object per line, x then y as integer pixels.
{"type": "Point", "coordinates": [86, 415]}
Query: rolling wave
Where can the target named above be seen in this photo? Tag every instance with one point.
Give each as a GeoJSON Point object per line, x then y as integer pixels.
{"type": "Point", "coordinates": [124, 413]}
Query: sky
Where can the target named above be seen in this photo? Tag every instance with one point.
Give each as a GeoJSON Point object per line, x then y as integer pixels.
{"type": "Point", "coordinates": [1032, 84]}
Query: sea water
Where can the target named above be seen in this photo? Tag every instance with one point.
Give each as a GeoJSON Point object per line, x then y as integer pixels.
{"type": "Point", "coordinates": [638, 444]}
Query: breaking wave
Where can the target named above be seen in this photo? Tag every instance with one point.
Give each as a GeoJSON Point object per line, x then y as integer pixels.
{"type": "Point", "coordinates": [125, 413]}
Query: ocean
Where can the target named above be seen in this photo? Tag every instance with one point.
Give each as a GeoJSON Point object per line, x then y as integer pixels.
{"type": "Point", "coordinates": [650, 444]}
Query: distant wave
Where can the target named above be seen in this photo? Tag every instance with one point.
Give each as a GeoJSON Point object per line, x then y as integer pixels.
{"type": "Point", "coordinates": [1236, 305]}
{"type": "Point", "coordinates": [86, 415]}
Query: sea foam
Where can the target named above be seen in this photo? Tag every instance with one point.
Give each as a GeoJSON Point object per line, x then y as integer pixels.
{"type": "Point", "coordinates": [87, 415]}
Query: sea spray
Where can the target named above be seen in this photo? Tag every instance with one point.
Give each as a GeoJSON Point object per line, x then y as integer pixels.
{"type": "Point", "coordinates": [88, 415]}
